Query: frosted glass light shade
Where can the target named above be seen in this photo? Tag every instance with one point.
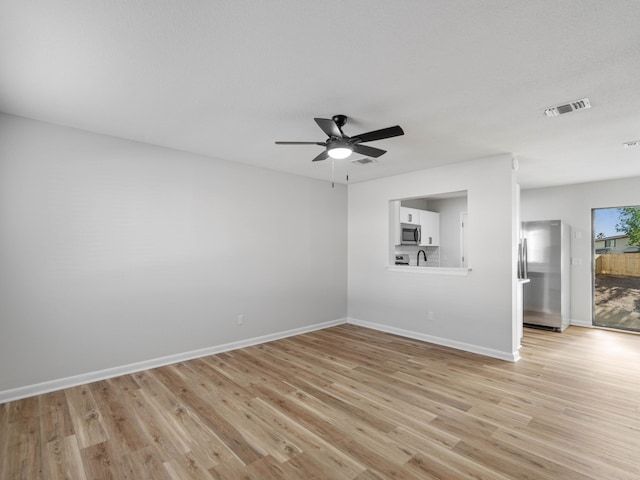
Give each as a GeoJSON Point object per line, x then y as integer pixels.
{"type": "Point", "coordinates": [339, 152]}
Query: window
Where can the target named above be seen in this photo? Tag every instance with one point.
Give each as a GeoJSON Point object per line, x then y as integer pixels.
{"type": "Point", "coordinates": [610, 243]}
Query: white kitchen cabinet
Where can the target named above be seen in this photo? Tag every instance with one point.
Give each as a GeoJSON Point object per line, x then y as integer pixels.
{"type": "Point", "coordinates": [430, 228]}
{"type": "Point", "coordinates": [410, 215]}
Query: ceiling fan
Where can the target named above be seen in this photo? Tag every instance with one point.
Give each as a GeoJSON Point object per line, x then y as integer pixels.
{"type": "Point", "coordinates": [339, 145]}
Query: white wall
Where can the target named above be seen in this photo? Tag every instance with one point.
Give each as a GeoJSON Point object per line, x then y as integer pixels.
{"type": "Point", "coordinates": [419, 203]}
{"type": "Point", "coordinates": [114, 252]}
{"type": "Point", "coordinates": [573, 204]}
{"type": "Point", "coordinates": [475, 311]}
{"type": "Point", "coordinates": [450, 210]}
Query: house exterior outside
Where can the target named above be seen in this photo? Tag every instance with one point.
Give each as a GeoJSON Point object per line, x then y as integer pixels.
{"type": "Point", "coordinates": [613, 244]}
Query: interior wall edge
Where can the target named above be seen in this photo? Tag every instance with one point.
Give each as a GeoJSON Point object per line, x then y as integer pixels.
{"type": "Point", "coordinates": [89, 377]}
{"type": "Point", "coordinates": [443, 342]}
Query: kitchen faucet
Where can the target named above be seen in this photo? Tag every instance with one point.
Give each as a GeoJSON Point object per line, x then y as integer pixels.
{"type": "Point", "coordinates": [418, 257]}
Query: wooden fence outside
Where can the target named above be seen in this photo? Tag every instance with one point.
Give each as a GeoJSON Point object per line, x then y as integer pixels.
{"type": "Point", "coordinates": [626, 264]}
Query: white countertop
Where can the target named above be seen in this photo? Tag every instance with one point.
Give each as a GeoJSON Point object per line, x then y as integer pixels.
{"type": "Point", "coordinates": [428, 270]}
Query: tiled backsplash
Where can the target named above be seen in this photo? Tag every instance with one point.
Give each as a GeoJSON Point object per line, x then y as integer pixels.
{"type": "Point", "coordinates": [433, 254]}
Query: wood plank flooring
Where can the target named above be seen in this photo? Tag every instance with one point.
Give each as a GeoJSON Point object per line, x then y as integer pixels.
{"type": "Point", "coordinates": [346, 403]}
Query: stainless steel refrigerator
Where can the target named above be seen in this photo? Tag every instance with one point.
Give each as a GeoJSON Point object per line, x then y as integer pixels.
{"type": "Point", "coordinates": [545, 259]}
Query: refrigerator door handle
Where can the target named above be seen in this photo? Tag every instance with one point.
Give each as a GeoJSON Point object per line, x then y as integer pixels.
{"type": "Point", "coordinates": [520, 272]}
{"type": "Point", "coordinates": [525, 260]}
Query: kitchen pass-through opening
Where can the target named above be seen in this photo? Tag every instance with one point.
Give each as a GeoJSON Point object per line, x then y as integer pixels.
{"type": "Point", "coordinates": [430, 231]}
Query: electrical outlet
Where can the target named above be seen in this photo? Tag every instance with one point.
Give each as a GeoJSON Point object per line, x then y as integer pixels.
{"type": "Point", "coordinates": [430, 316]}
{"type": "Point", "coordinates": [240, 319]}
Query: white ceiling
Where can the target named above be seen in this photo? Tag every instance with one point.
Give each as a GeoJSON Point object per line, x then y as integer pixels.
{"type": "Point", "coordinates": [465, 79]}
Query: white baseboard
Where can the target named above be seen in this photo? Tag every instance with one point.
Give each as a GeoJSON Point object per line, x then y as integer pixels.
{"type": "Point", "coordinates": [445, 342]}
{"type": "Point", "coordinates": [67, 382]}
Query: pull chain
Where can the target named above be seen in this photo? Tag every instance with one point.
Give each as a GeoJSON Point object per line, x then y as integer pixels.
{"type": "Point", "coordinates": [333, 171]}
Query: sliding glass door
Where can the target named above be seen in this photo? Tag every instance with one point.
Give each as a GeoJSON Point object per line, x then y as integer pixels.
{"type": "Point", "coordinates": [616, 267]}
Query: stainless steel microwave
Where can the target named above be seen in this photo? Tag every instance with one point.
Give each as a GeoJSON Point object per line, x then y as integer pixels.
{"type": "Point", "coordinates": [410, 234]}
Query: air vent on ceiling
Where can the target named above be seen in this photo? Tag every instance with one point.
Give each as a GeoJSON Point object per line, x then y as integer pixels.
{"type": "Point", "coordinates": [364, 161]}
{"type": "Point", "coordinates": [568, 107]}
{"type": "Point", "coordinates": [634, 144]}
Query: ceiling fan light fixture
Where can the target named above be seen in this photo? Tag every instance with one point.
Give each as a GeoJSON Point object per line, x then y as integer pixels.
{"type": "Point", "coordinates": [339, 151]}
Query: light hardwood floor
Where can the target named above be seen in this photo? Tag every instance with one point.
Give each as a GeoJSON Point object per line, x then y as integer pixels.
{"type": "Point", "coordinates": [346, 403]}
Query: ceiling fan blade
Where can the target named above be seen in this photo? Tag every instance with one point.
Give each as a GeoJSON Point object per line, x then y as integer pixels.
{"type": "Point", "coordinates": [329, 127]}
{"type": "Point", "coordinates": [323, 156]}
{"type": "Point", "coordinates": [300, 143]}
{"type": "Point", "coordinates": [379, 134]}
{"type": "Point", "coordinates": [368, 151]}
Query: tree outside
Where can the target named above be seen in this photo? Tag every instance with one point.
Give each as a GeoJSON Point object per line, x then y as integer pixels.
{"type": "Point", "coordinates": [630, 224]}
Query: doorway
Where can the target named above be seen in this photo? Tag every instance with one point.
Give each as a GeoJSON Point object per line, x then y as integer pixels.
{"type": "Point", "coordinates": [616, 267]}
